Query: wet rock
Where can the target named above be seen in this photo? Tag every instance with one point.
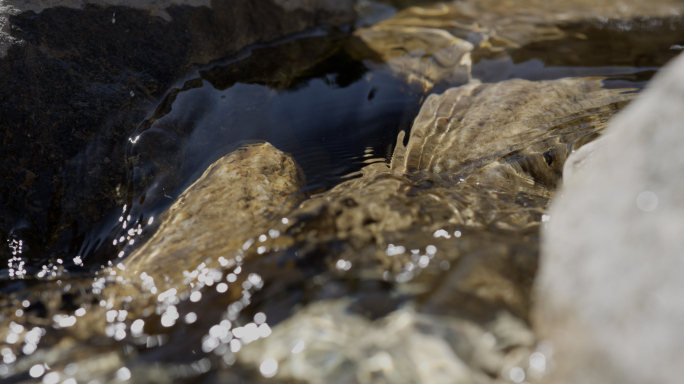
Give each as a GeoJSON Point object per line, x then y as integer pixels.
{"type": "Point", "coordinates": [77, 77]}
{"type": "Point", "coordinates": [422, 56]}
{"type": "Point", "coordinates": [500, 28]}
{"type": "Point", "coordinates": [425, 236]}
{"type": "Point", "coordinates": [514, 132]}
{"type": "Point", "coordinates": [324, 343]}
{"type": "Point", "coordinates": [234, 199]}
{"type": "Point", "coordinates": [608, 292]}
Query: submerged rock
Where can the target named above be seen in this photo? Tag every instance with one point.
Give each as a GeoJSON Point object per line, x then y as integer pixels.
{"type": "Point", "coordinates": [325, 343]}
{"type": "Point", "coordinates": [422, 56]}
{"type": "Point", "coordinates": [517, 30]}
{"type": "Point", "coordinates": [452, 247]}
{"type": "Point", "coordinates": [609, 289]}
{"type": "Point", "coordinates": [514, 132]}
{"type": "Point", "coordinates": [508, 24]}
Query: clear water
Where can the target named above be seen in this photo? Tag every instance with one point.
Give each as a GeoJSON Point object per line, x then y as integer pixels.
{"type": "Point", "coordinates": [332, 116]}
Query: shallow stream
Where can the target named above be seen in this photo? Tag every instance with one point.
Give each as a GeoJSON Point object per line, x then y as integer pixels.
{"type": "Point", "coordinates": [335, 114]}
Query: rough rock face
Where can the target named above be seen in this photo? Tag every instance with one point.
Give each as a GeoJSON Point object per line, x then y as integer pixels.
{"type": "Point", "coordinates": [610, 282]}
{"type": "Point", "coordinates": [76, 77]}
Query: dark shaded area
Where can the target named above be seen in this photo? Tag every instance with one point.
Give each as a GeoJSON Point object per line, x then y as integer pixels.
{"type": "Point", "coordinates": [78, 86]}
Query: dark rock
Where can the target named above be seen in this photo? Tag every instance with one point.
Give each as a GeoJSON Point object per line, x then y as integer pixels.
{"type": "Point", "coordinates": [75, 81]}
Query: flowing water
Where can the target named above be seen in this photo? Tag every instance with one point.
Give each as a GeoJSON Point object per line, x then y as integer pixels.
{"type": "Point", "coordinates": [364, 265]}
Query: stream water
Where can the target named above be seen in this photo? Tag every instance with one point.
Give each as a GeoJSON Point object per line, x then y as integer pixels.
{"type": "Point", "coordinates": [334, 114]}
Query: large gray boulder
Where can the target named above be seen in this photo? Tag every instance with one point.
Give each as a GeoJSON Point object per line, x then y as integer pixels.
{"type": "Point", "coordinates": [76, 79]}
{"type": "Point", "coordinates": [612, 270]}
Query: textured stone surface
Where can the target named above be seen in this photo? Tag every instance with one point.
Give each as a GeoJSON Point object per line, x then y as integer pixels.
{"type": "Point", "coordinates": [610, 283]}
{"type": "Point", "coordinates": [520, 22]}
{"type": "Point", "coordinates": [76, 79]}
{"type": "Point", "coordinates": [517, 131]}
{"type": "Point", "coordinates": [499, 28]}
{"type": "Point", "coordinates": [235, 198]}
{"type": "Point", "coordinates": [422, 56]}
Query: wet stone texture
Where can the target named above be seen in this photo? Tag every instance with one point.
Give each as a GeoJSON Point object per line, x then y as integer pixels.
{"type": "Point", "coordinates": [77, 77]}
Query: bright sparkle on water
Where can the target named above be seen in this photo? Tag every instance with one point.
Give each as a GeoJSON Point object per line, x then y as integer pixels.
{"type": "Point", "coordinates": [393, 250]}
{"type": "Point", "coordinates": [343, 265]}
{"type": "Point", "coordinates": [538, 362]}
{"type": "Point", "coordinates": [269, 368]}
{"type": "Point", "coordinates": [37, 370]}
{"type": "Point", "coordinates": [51, 378]}
{"type": "Point", "coordinates": [516, 374]}
{"type": "Point", "coordinates": [137, 327]}
{"type": "Point", "coordinates": [260, 318]}
{"type": "Point", "coordinates": [123, 374]}
{"type": "Point", "coordinates": [190, 318]}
